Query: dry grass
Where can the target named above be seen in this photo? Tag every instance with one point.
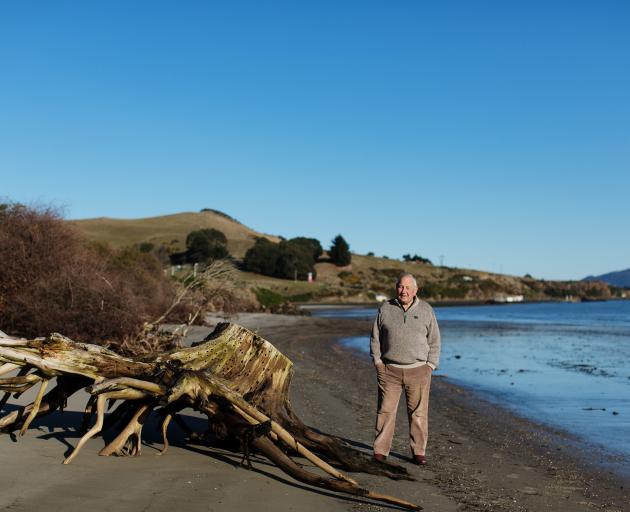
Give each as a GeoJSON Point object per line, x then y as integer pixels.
{"type": "Point", "coordinates": [359, 282]}
{"type": "Point", "coordinates": [170, 230]}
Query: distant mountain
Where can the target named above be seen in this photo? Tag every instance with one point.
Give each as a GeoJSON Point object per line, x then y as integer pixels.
{"type": "Point", "coordinates": [620, 278]}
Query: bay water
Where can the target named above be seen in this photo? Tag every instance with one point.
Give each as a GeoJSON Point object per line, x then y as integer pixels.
{"type": "Point", "coordinates": [566, 365]}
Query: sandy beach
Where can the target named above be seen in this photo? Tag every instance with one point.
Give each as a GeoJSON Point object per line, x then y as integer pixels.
{"type": "Point", "coordinates": [480, 456]}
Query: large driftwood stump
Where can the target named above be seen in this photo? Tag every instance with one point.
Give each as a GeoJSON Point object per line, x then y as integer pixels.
{"type": "Point", "coordinates": [236, 378]}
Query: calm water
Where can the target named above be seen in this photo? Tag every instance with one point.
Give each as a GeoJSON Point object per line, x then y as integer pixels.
{"type": "Point", "coordinates": [567, 365]}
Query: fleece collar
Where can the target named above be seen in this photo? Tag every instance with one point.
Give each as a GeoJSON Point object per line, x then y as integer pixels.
{"type": "Point", "coordinates": [414, 303]}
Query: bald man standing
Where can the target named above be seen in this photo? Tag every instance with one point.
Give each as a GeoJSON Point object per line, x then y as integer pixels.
{"type": "Point", "coordinates": [405, 348]}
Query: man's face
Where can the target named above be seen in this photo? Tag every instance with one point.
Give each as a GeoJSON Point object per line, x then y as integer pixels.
{"type": "Point", "coordinates": [406, 290]}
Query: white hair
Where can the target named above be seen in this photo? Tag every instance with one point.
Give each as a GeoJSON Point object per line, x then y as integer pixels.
{"type": "Point", "coordinates": [410, 276]}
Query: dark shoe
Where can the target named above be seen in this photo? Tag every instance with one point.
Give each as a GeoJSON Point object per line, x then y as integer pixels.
{"type": "Point", "coordinates": [419, 460]}
{"type": "Point", "coordinates": [380, 457]}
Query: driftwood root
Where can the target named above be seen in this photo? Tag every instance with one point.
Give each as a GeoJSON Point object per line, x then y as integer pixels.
{"type": "Point", "coordinates": [237, 379]}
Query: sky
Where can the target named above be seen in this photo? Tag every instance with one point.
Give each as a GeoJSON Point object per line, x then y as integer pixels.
{"type": "Point", "coordinates": [492, 135]}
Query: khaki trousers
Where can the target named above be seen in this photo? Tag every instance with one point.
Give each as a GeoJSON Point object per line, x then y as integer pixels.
{"type": "Point", "coordinates": [391, 382]}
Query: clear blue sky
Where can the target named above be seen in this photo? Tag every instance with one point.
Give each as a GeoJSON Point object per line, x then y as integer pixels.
{"type": "Point", "coordinates": [494, 134]}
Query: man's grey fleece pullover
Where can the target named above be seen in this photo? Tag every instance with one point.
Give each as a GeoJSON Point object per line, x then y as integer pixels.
{"type": "Point", "coordinates": [405, 337]}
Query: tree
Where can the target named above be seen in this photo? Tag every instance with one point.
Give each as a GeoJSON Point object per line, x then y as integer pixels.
{"type": "Point", "coordinates": [206, 245]}
{"type": "Point", "coordinates": [262, 257]}
{"type": "Point", "coordinates": [340, 252]}
{"type": "Point", "coordinates": [214, 235]}
{"type": "Point", "coordinates": [294, 261]}
{"type": "Point", "coordinates": [288, 259]}
{"type": "Point", "coordinates": [198, 247]}
{"type": "Point", "coordinates": [311, 245]}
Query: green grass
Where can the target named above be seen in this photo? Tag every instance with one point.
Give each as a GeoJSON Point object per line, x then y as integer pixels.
{"type": "Point", "coordinates": [268, 298]}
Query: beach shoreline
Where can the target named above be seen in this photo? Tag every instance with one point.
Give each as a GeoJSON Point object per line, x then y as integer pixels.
{"type": "Point", "coordinates": [312, 306]}
{"type": "Point", "coordinates": [481, 457]}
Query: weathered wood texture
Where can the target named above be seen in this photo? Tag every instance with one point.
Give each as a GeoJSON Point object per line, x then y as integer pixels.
{"type": "Point", "coordinates": [239, 380]}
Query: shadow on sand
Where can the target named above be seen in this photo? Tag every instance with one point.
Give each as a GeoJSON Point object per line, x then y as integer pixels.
{"type": "Point", "coordinates": [64, 427]}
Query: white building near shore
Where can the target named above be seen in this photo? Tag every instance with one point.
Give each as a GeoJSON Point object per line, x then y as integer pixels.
{"type": "Point", "coordinates": [508, 298]}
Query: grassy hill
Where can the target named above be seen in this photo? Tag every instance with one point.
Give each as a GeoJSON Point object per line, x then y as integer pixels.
{"type": "Point", "coordinates": [169, 230]}
{"type": "Point", "coordinates": [359, 282]}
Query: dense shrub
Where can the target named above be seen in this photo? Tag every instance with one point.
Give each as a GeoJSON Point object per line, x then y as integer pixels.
{"type": "Point", "coordinates": [349, 278]}
{"type": "Point", "coordinates": [557, 292]}
{"type": "Point", "coordinates": [340, 252]}
{"type": "Point", "coordinates": [585, 289]}
{"type": "Point", "coordinates": [488, 286]}
{"type": "Point", "coordinates": [268, 298]}
{"type": "Point", "coordinates": [219, 289]}
{"type": "Point", "coordinates": [50, 280]}
{"type": "Point", "coordinates": [301, 297]}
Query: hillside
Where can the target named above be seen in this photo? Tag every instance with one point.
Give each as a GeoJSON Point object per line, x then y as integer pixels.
{"type": "Point", "coordinates": [369, 276]}
{"type": "Point", "coordinates": [169, 230]}
{"type": "Point", "coordinates": [360, 282]}
{"type": "Point", "coordinates": [619, 278]}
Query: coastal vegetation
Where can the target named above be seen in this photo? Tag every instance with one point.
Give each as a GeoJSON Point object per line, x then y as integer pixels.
{"type": "Point", "coordinates": [53, 279]}
{"type": "Point", "coordinates": [360, 281]}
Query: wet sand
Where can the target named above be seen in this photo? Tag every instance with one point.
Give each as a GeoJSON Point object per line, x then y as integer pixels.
{"type": "Point", "coordinates": [480, 456]}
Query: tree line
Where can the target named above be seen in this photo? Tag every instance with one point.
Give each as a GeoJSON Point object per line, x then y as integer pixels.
{"type": "Point", "coordinates": [287, 259]}
{"type": "Point", "coordinates": [294, 258]}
